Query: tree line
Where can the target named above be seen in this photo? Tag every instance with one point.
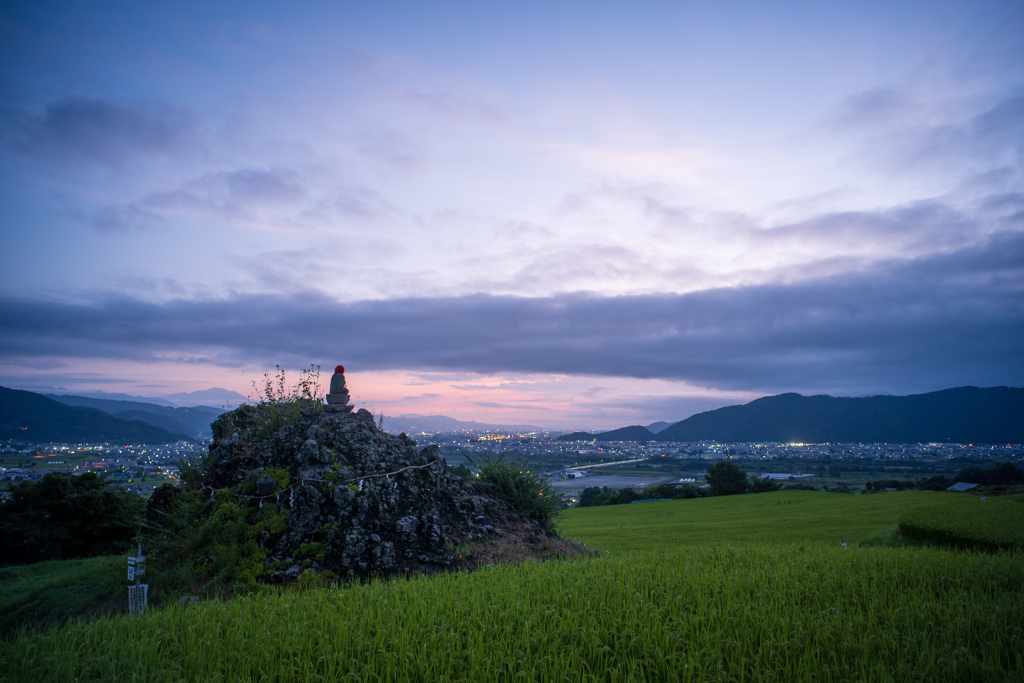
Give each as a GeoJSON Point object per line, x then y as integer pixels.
{"type": "Point", "coordinates": [1006, 474]}
{"type": "Point", "coordinates": [724, 479]}
{"type": "Point", "coordinates": [62, 517]}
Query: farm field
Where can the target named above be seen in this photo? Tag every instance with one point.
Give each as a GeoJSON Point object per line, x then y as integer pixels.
{"type": "Point", "coordinates": [779, 517]}
{"type": "Point", "coordinates": [752, 588]}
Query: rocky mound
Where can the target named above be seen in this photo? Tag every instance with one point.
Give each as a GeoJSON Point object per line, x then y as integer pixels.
{"type": "Point", "coordinates": [355, 500]}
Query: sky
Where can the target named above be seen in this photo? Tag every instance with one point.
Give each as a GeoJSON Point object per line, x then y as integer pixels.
{"type": "Point", "coordinates": [568, 214]}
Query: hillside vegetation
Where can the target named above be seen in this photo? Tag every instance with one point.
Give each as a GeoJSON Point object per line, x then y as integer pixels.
{"type": "Point", "coordinates": [27, 416]}
{"type": "Point", "coordinates": [194, 421]}
{"type": "Point", "coordinates": [961, 415]}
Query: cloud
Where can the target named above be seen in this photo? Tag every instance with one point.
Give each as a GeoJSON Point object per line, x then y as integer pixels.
{"type": "Point", "coordinates": [362, 203]}
{"type": "Point", "coordinates": [456, 107]}
{"type": "Point", "coordinates": [905, 139]}
{"type": "Point", "coordinates": [871, 108]}
{"type": "Point", "coordinates": [917, 324]}
{"type": "Point", "coordinates": [516, 230]}
{"type": "Point", "coordinates": [103, 132]}
{"type": "Point", "coordinates": [230, 192]}
{"type": "Point", "coordinates": [1000, 129]}
{"type": "Point", "coordinates": [679, 247]}
{"type": "Point", "coordinates": [393, 150]}
{"type": "Point", "coordinates": [125, 217]}
{"type": "Point", "coordinates": [991, 139]}
{"type": "Point", "coordinates": [37, 364]}
{"type": "Point", "coordinates": [241, 195]}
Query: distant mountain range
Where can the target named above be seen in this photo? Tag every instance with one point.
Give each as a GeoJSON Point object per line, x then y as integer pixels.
{"type": "Point", "coordinates": [204, 397]}
{"type": "Point", "coordinates": [36, 418]}
{"type": "Point", "coordinates": [962, 415]}
{"type": "Point", "coordinates": [194, 421]}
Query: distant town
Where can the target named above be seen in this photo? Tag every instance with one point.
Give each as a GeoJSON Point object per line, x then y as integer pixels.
{"type": "Point", "coordinates": [140, 468]}
{"type": "Point", "coordinates": [571, 465]}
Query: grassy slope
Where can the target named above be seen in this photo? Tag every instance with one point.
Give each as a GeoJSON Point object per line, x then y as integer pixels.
{"type": "Point", "coordinates": [52, 592]}
{"type": "Point", "coordinates": [780, 517]}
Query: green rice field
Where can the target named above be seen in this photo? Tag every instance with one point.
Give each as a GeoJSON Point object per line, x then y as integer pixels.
{"type": "Point", "coordinates": [781, 517]}
{"type": "Point", "coordinates": [743, 588]}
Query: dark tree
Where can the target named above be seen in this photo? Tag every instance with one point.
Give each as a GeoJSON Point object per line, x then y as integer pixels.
{"type": "Point", "coordinates": [660, 491]}
{"type": "Point", "coordinates": [726, 478]}
{"type": "Point", "coordinates": [760, 485]}
{"type": "Point", "coordinates": [64, 516]}
{"type": "Point", "coordinates": [883, 484]}
{"type": "Point", "coordinates": [936, 483]}
{"type": "Point", "coordinates": [628, 495]}
{"type": "Point", "coordinates": [589, 495]}
{"type": "Point", "coordinates": [691, 491]}
{"type": "Point", "coordinates": [799, 487]}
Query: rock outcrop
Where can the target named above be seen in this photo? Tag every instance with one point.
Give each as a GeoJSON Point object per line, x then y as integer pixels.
{"type": "Point", "coordinates": [358, 501]}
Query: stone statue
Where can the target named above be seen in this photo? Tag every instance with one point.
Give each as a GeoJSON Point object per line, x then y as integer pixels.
{"type": "Point", "coordinates": [338, 398]}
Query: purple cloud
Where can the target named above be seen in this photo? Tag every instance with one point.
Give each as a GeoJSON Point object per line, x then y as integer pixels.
{"type": "Point", "coordinates": [103, 132]}
{"type": "Point", "coordinates": [922, 324]}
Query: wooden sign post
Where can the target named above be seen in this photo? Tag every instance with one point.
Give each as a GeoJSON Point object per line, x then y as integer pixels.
{"type": "Point", "coordinates": [138, 595]}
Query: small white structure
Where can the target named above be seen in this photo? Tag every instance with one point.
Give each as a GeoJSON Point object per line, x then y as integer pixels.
{"type": "Point", "coordinates": [138, 595]}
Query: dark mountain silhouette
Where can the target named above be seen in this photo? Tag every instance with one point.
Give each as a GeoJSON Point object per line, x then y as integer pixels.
{"type": "Point", "coordinates": [113, 396]}
{"type": "Point", "coordinates": [192, 421]}
{"type": "Point", "coordinates": [634, 433]}
{"type": "Point", "coordinates": [962, 415]}
{"type": "Point", "coordinates": [35, 418]}
{"type": "Point", "coordinates": [656, 427]}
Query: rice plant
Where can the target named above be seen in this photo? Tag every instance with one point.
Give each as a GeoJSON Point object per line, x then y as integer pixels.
{"type": "Point", "coordinates": [754, 613]}
{"type": "Point", "coordinates": [760, 593]}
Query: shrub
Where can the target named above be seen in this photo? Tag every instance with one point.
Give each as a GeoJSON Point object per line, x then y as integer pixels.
{"type": "Point", "coordinates": [213, 542]}
{"type": "Point", "coordinates": [763, 485]}
{"type": "Point", "coordinates": [523, 491]}
{"type": "Point", "coordinates": [462, 472]}
{"type": "Point", "coordinates": [883, 484]}
{"type": "Point", "coordinates": [274, 405]}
